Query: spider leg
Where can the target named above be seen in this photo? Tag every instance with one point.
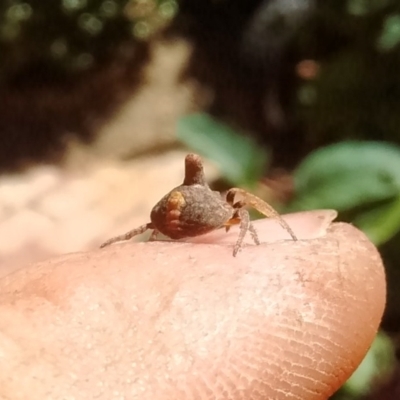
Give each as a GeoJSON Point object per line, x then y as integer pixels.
{"type": "Point", "coordinates": [230, 197]}
{"type": "Point", "coordinates": [260, 205]}
{"type": "Point", "coordinates": [245, 225]}
{"type": "Point", "coordinates": [232, 221]}
{"type": "Point", "coordinates": [153, 235]}
{"type": "Point", "coordinates": [241, 216]}
{"type": "Point", "coordinates": [253, 233]}
{"type": "Point", "coordinates": [128, 235]}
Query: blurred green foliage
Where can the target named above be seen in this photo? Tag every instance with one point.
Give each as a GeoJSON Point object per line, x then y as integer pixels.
{"type": "Point", "coordinates": [355, 92]}
{"type": "Point", "coordinates": [346, 175]}
{"type": "Point", "coordinates": [241, 161]}
{"type": "Point", "coordinates": [359, 179]}
{"type": "Point", "coordinates": [66, 66]}
{"type": "Point", "coordinates": [69, 36]}
{"type": "Point", "coordinates": [375, 367]}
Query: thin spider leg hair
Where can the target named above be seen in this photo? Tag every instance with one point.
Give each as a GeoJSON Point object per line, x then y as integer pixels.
{"type": "Point", "coordinates": [128, 235]}
{"type": "Point", "coordinates": [253, 233]}
{"type": "Point", "coordinates": [244, 227]}
{"type": "Point", "coordinates": [260, 205]}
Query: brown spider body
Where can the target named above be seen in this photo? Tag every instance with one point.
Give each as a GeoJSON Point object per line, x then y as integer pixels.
{"type": "Point", "coordinates": [181, 213]}
{"type": "Point", "coordinates": [193, 209]}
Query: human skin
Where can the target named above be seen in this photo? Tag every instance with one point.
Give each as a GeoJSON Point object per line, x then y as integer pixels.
{"type": "Point", "coordinates": [187, 320]}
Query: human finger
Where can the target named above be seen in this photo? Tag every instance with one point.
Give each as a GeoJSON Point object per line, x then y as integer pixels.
{"type": "Point", "coordinates": [182, 320]}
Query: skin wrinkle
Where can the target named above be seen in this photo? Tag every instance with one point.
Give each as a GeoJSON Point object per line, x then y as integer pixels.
{"type": "Point", "coordinates": [305, 383]}
{"type": "Point", "coordinates": [258, 323]}
{"type": "Point", "coordinates": [300, 387]}
{"type": "Point", "coordinates": [283, 378]}
{"type": "Point", "coordinates": [227, 381]}
{"type": "Point", "coordinates": [288, 353]}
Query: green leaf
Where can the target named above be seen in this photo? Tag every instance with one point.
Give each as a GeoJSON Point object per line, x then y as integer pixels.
{"type": "Point", "coordinates": [380, 223]}
{"type": "Point", "coordinates": [378, 363]}
{"type": "Point", "coordinates": [347, 175]}
{"type": "Point", "coordinates": [390, 36]}
{"type": "Point", "coordinates": [241, 160]}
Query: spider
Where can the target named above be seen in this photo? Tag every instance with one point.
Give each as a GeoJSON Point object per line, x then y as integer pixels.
{"type": "Point", "coordinates": [193, 209]}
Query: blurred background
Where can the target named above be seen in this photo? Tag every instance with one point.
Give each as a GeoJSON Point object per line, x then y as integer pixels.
{"type": "Point", "coordinates": [297, 101]}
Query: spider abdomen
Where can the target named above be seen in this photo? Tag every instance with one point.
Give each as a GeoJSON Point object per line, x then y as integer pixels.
{"type": "Point", "coordinates": [189, 211]}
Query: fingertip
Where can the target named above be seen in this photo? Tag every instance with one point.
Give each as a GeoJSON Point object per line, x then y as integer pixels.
{"type": "Point", "coordinates": [281, 320]}
{"type": "Point", "coordinates": [295, 317]}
